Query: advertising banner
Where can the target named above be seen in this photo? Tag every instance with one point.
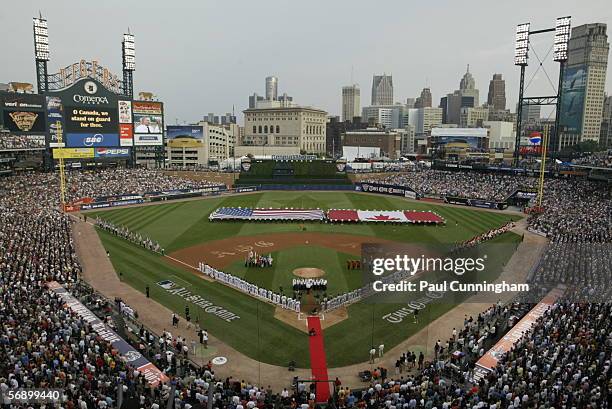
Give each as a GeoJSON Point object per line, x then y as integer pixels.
{"type": "Point", "coordinates": [148, 140]}
{"type": "Point", "coordinates": [112, 152]}
{"type": "Point", "coordinates": [572, 103]}
{"type": "Point", "coordinates": [92, 140]}
{"type": "Point", "coordinates": [73, 153]}
{"type": "Point", "coordinates": [55, 117]}
{"type": "Point", "coordinates": [125, 111]}
{"type": "Point", "coordinates": [126, 135]}
{"type": "Point", "coordinates": [184, 136]}
{"type": "Point", "coordinates": [127, 352]}
{"type": "Point", "coordinates": [395, 190]}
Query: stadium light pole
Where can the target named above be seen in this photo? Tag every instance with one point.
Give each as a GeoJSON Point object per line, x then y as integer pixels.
{"type": "Point", "coordinates": [128, 59]}
{"type": "Point", "coordinates": [41, 52]}
{"type": "Point", "coordinates": [561, 46]}
{"type": "Point", "coordinates": [128, 52]}
{"type": "Point", "coordinates": [521, 56]}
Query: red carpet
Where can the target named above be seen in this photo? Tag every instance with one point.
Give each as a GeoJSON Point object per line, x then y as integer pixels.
{"type": "Point", "coordinates": [318, 363]}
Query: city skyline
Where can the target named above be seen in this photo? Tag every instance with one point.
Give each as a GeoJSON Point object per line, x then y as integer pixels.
{"type": "Point", "coordinates": [194, 67]}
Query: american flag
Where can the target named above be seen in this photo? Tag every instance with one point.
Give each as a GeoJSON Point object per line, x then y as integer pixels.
{"type": "Point", "coordinates": [239, 213]}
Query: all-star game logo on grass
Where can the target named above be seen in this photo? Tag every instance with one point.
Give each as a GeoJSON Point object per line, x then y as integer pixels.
{"type": "Point", "coordinates": [204, 304]}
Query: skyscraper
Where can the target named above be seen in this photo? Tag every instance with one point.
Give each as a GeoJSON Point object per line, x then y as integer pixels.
{"type": "Point", "coordinates": [382, 90]}
{"type": "Point", "coordinates": [583, 84]}
{"type": "Point", "coordinates": [424, 101]}
{"type": "Point", "coordinates": [497, 93]}
{"type": "Point", "coordinates": [467, 86]}
{"type": "Point", "coordinates": [271, 88]}
{"type": "Point", "coordinates": [351, 102]}
{"type": "Point", "coordinates": [465, 97]}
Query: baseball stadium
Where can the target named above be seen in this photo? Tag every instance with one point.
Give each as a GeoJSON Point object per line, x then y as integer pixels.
{"type": "Point", "coordinates": [289, 278]}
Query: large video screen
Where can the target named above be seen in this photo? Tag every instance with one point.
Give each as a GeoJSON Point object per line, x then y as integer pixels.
{"type": "Point", "coordinates": [91, 126]}
{"type": "Point", "coordinates": [23, 121]}
{"type": "Point", "coordinates": [148, 119]}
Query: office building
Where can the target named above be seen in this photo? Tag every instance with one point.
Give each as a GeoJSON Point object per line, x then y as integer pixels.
{"type": "Point", "coordinates": [583, 84]}
{"type": "Point", "coordinates": [382, 90]}
{"type": "Point", "coordinates": [424, 101]}
{"type": "Point", "coordinates": [410, 102]}
{"type": "Point", "coordinates": [473, 117]}
{"type": "Point", "coordinates": [334, 130]}
{"type": "Point", "coordinates": [497, 93]}
{"type": "Point", "coordinates": [530, 113]}
{"type": "Point", "coordinates": [272, 99]}
{"type": "Point", "coordinates": [466, 96]}
{"type": "Point", "coordinates": [467, 86]}
{"type": "Point", "coordinates": [427, 119]}
{"type": "Point", "coordinates": [351, 102]}
{"type": "Point", "coordinates": [407, 139]}
{"type": "Point", "coordinates": [283, 131]}
{"type": "Point", "coordinates": [271, 88]}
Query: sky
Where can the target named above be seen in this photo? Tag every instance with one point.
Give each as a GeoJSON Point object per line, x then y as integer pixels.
{"type": "Point", "coordinates": [201, 56]}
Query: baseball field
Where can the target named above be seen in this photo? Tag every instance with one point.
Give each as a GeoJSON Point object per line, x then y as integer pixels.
{"type": "Point", "coordinates": [188, 237]}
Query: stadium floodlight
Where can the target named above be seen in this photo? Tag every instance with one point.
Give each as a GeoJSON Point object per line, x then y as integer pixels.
{"type": "Point", "coordinates": [41, 39]}
{"type": "Point", "coordinates": [521, 47]}
{"type": "Point", "coordinates": [562, 36]}
{"type": "Point", "coordinates": [129, 52]}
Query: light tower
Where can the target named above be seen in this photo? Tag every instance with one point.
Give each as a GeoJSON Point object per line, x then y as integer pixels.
{"type": "Point", "coordinates": [521, 57]}
{"type": "Point", "coordinates": [129, 63]}
{"type": "Point", "coordinates": [41, 52]}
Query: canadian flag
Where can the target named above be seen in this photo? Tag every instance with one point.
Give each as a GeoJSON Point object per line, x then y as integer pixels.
{"type": "Point", "coordinates": [395, 216]}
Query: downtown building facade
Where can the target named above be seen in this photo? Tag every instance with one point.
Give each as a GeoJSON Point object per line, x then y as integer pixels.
{"type": "Point", "coordinates": [382, 90]}
{"type": "Point", "coordinates": [351, 102]}
{"type": "Point", "coordinates": [283, 131]}
{"type": "Point", "coordinates": [496, 99]}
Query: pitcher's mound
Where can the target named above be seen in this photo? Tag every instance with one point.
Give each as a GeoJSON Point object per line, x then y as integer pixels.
{"type": "Point", "coordinates": [308, 272]}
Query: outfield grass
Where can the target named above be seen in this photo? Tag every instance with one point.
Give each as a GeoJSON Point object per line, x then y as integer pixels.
{"type": "Point", "coordinates": [257, 333]}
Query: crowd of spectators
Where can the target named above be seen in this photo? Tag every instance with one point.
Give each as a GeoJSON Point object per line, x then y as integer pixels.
{"type": "Point", "coordinates": [564, 361]}
{"type": "Point", "coordinates": [18, 142]}
{"type": "Point", "coordinates": [441, 183]}
{"type": "Point", "coordinates": [116, 181]}
{"type": "Point", "coordinates": [597, 159]}
{"type": "Point", "coordinates": [575, 210]}
{"type": "Point", "coordinates": [43, 343]}
{"type": "Point", "coordinates": [585, 268]}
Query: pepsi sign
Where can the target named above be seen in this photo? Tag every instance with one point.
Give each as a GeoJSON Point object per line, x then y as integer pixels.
{"type": "Point", "coordinates": [112, 152]}
{"type": "Point", "coordinates": [535, 138]}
